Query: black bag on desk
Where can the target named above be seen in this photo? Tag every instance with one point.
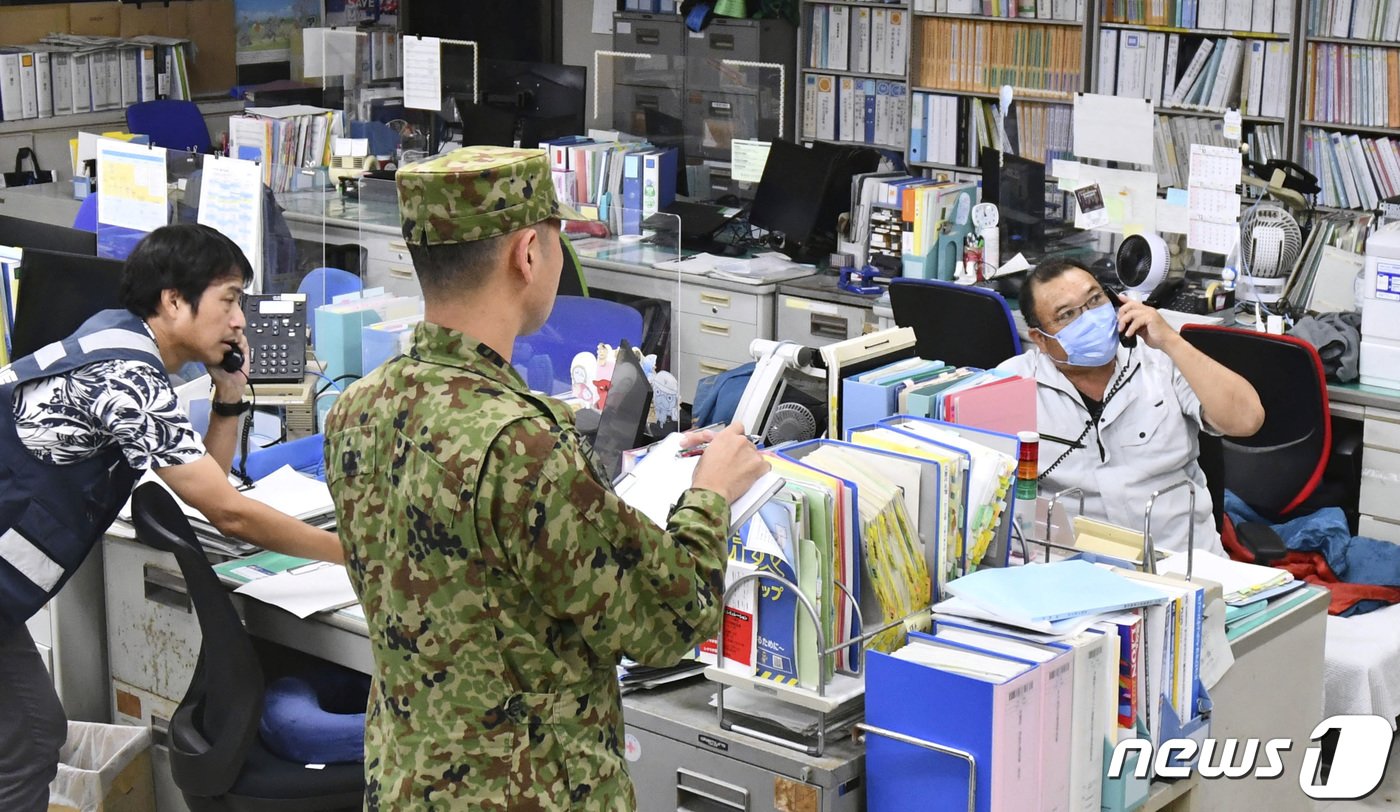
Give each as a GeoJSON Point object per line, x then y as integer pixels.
{"type": "Point", "coordinates": [26, 177]}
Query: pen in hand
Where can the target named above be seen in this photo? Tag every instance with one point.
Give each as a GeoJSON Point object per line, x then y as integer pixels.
{"type": "Point", "coordinates": [696, 451]}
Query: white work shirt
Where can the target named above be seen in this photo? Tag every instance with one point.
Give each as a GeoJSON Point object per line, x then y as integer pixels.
{"type": "Point", "coordinates": [1146, 440]}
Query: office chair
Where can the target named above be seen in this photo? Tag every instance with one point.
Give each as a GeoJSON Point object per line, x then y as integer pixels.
{"type": "Point", "coordinates": [170, 123]}
{"type": "Point", "coordinates": [957, 324]}
{"type": "Point", "coordinates": [216, 757]}
{"type": "Point", "coordinates": [576, 324]}
{"type": "Point", "coordinates": [1278, 471]}
{"type": "Point", "coordinates": [86, 218]}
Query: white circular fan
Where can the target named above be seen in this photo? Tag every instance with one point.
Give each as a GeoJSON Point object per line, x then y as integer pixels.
{"type": "Point", "coordinates": [1270, 242]}
{"type": "Point", "coordinates": [790, 421]}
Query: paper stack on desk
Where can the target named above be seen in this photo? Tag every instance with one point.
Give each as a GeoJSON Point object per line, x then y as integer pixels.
{"type": "Point", "coordinates": [301, 586]}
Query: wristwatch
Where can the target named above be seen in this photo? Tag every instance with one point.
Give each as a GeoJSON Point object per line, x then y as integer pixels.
{"type": "Point", "coordinates": [229, 409]}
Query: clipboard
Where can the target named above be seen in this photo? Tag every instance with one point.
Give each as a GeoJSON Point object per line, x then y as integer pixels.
{"type": "Point", "coordinates": [655, 484]}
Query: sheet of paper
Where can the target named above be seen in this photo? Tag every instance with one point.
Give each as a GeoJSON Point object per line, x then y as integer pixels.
{"type": "Point", "coordinates": [603, 17]}
{"type": "Point", "coordinates": [230, 202]}
{"type": "Point", "coordinates": [422, 73]}
{"type": "Point", "coordinates": [1216, 655]}
{"type": "Point", "coordinates": [304, 590]}
{"type": "Point", "coordinates": [352, 147]}
{"type": "Point", "coordinates": [1129, 197]}
{"type": "Point", "coordinates": [748, 159]}
{"type": "Point", "coordinates": [1113, 128]}
{"type": "Point", "coordinates": [131, 186]}
{"type": "Point", "coordinates": [328, 52]}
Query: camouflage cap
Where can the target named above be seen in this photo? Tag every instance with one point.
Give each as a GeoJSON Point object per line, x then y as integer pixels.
{"type": "Point", "coordinates": [476, 193]}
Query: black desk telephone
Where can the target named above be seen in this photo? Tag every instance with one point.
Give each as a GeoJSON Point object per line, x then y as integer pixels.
{"type": "Point", "coordinates": [276, 331]}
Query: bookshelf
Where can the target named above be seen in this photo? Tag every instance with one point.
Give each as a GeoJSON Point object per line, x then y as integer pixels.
{"type": "Point", "coordinates": [1346, 117]}
{"type": "Point", "coordinates": [853, 61]}
{"type": "Point", "coordinates": [959, 60]}
{"type": "Point", "coordinates": [1196, 60]}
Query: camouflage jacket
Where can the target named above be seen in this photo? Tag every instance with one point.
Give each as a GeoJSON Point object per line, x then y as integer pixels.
{"type": "Point", "coordinates": [502, 582]}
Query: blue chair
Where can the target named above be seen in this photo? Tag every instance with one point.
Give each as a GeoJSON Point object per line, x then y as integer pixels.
{"type": "Point", "coordinates": [305, 454]}
{"type": "Point", "coordinates": [321, 286]}
{"type": "Point", "coordinates": [86, 218]}
{"type": "Point", "coordinates": [961, 325]}
{"type": "Point", "coordinates": [170, 123]}
{"type": "Point", "coordinates": [576, 324]}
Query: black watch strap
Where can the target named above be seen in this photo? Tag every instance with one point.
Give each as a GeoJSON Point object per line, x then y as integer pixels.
{"type": "Point", "coordinates": [229, 409]}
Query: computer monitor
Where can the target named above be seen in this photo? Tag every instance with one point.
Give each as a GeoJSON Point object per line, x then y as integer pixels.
{"type": "Point", "coordinates": [543, 101]}
{"type": "Point", "coordinates": [57, 293]}
{"type": "Point", "coordinates": [803, 191]}
{"type": "Point", "coordinates": [22, 233]}
{"type": "Point", "coordinates": [1017, 186]}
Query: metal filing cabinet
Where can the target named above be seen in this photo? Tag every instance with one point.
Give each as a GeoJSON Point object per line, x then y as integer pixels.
{"type": "Point", "coordinates": [680, 759]}
{"type": "Point", "coordinates": [1380, 475]}
{"type": "Point", "coordinates": [647, 92]}
{"type": "Point", "coordinates": [728, 96]}
{"type": "Point", "coordinates": [703, 85]}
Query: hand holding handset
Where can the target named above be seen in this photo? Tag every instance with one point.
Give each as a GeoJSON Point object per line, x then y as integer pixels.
{"type": "Point", "coordinates": [1115, 296]}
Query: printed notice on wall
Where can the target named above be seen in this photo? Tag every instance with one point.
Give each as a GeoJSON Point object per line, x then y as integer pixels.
{"type": "Point", "coordinates": [131, 186]}
{"type": "Point", "coordinates": [230, 202]}
{"type": "Point", "coordinates": [422, 73]}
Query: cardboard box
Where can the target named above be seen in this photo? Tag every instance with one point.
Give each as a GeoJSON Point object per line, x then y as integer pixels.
{"type": "Point", "coordinates": [25, 24]}
{"type": "Point", "coordinates": [101, 19]}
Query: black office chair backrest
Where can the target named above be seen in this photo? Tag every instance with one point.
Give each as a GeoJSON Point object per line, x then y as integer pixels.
{"type": "Point", "coordinates": [956, 324]}
{"type": "Point", "coordinates": [213, 728]}
{"type": "Point", "coordinates": [1275, 470]}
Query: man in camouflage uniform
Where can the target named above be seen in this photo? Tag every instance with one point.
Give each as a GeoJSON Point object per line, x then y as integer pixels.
{"type": "Point", "coordinates": [500, 578]}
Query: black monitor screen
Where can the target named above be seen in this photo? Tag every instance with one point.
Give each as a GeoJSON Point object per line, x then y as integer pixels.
{"type": "Point", "coordinates": [1017, 186]}
{"type": "Point", "coordinates": [803, 191]}
{"type": "Point", "coordinates": [545, 101]}
{"type": "Point", "coordinates": [790, 192]}
{"type": "Point", "coordinates": [21, 233]}
{"type": "Point", "coordinates": [57, 293]}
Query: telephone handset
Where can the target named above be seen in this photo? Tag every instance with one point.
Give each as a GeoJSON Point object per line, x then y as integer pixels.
{"type": "Point", "coordinates": [232, 360]}
{"type": "Point", "coordinates": [1128, 341]}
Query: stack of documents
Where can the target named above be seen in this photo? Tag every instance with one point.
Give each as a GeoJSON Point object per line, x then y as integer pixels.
{"type": "Point", "coordinates": [298, 585]}
{"type": "Point", "coordinates": [979, 467]}
{"type": "Point", "coordinates": [633, 676]}
{"type": "Point", "coordinates": [286, 490]}
{"type": "Point", "coordinates": [1243, 583]}
{"type": "Point", "coordinates": [989, 399]}
{"type": "Point", "coordinates": [656, 483]}
{"type": "Point", "coordinates": [1054, 591]}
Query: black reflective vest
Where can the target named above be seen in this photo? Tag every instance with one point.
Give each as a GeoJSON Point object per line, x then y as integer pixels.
{"type": "Point", "coordinates": [51, 515]}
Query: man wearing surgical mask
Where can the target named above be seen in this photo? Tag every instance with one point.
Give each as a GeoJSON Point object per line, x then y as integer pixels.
{"type": "Point", "coordinates": [1124, 419]}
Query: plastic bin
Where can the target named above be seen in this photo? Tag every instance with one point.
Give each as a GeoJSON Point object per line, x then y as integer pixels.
{"type": "Point", "coordinates": [104, 768]}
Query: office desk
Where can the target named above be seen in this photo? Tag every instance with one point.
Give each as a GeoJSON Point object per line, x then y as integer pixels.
{"type": "Point", "coordinates": [1378, 410]}
{"type": "Point", "coordinates": [1274, 689]}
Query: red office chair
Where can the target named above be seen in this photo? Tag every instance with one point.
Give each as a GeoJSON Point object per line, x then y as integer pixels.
{"type": "Point", "coordinates": [1278, 470]}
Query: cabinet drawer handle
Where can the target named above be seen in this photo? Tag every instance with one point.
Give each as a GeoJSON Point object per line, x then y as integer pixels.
{"type": "Point", "coordinates": [708, 368]}
{"type": "Point", "coordinates": [824, 326]}
{"type": "Point", "coordinates": [722, 42]}
{"type": "Point", "coordinates": [709, 793]}
{"type": "Point", "coordinates": [714, 329]}
{"type": "Point", "coordinates": [166, 588]}
{"type": "Point", "coordinates": [648, 36]}
{"type": "Point", "coordinates": [400, 272]}
{"type": "Point", "coordinates": [714, 299]}
{"type": "Point", "coordinates": [398, 245]}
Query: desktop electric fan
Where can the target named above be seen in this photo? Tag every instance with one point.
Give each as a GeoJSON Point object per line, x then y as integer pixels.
{"type": "Point", "coordinates": [1144, 265]}
{"type": "Point", "coordinates": [1270, 242]}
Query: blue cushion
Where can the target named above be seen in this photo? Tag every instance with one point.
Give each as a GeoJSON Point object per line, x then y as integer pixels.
{"type": "Point", "coordinates": [318, 718]}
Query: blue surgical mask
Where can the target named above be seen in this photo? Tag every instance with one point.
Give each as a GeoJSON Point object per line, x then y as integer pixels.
{"type": "Point", "coordinates": [1091, 340]}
